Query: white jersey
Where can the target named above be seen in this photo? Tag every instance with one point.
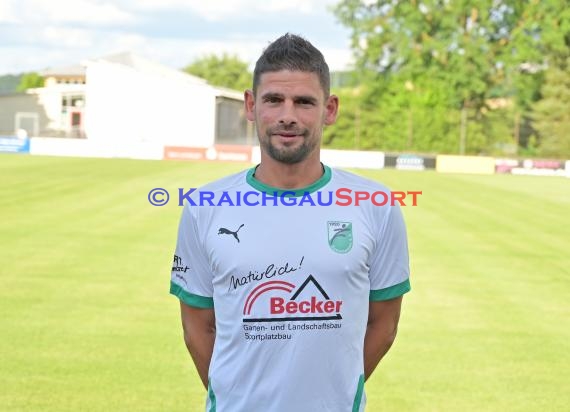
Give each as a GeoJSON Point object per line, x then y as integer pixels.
{"type": "Point", "coordinates": [290, 285]}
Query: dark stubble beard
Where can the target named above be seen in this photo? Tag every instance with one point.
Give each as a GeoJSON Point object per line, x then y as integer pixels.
{"type": "Point", "coordinates": [288, 155]}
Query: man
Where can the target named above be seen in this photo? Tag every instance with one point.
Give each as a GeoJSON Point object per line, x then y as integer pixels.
{"type": "Point", "coordinates": [289, 308]}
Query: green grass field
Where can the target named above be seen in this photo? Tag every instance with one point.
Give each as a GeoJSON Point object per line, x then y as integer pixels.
{"type": "Point", "coordinates": [87, 324]}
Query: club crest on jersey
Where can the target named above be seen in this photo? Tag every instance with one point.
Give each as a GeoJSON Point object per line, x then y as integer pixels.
{"type": "Point", "coordinates": [340, 236]}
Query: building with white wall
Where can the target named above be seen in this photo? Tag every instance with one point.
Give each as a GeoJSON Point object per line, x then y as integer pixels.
{"type": "Point", "coordinates": [129, 98]}
{"type": "Point", "coordinates": [124, 100]}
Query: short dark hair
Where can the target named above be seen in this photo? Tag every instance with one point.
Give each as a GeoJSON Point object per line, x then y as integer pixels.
{"type": "Point", "coordinates": [294, 53]}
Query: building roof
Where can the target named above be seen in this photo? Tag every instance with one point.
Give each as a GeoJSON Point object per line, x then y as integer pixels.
{"type": "Point", "coordinates": [147, 66]}
{"type": "Point", "coordinates": [75, 70]}
{"type": "Point", "coordinates": [229, 93]}
{"type": "Point", "coordinates": [143, 65]}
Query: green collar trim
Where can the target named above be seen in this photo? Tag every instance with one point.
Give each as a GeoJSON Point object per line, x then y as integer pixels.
{"type": "Point", "coordinates": [262, 187]}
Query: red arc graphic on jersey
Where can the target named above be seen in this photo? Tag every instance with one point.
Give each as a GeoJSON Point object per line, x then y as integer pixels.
{"type": "Point", "coordinates": [265, 287]}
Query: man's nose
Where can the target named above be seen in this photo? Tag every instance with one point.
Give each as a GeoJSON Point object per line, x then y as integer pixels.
{"type": "Point", "coordinates": [287, 115]}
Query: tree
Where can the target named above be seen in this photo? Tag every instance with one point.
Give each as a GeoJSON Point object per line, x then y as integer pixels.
{"type": "Point", "coordinates": [29, 81]}
{"type": "Point", "coordinates": [9, 83]}
{"type": "Point", "coordinates": [552, 113]}
{"type": "Point", "coordinates": [224, 71]}
{"type": "Point", "coordinates": [455, 54]}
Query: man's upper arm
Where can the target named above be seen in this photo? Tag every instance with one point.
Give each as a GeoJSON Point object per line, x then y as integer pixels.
{"type": "Point", "coordinates": [383, 318]}
{"type": "Point", "coordinates": [386, 312]}
{"type": "Point", "coordinates": [202, 319]}
{"type": "Point", "coordinates": [199, 327]}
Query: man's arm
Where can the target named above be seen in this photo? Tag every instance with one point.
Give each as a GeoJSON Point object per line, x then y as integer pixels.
{"type": "Point", "coordinates": [383, 317]}
{"type": "Point", "coordinates": [199, 334]}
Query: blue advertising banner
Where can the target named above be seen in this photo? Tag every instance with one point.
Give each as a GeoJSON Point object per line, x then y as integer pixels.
{"type": "Point", "coordinates": [12, 144]}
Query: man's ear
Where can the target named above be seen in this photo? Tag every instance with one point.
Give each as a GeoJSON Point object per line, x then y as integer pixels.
{"type": "Point", "coordinates": [249, 104]}
{"type": "Point", "coordinates": [331, 109]}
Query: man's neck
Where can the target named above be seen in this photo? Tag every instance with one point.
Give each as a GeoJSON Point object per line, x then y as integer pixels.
{"type": "Point", "coordinates": [286, 176]}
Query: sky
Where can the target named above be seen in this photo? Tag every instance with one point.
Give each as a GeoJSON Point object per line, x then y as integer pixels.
{"type": "Point", "coordinates": [40, 34]}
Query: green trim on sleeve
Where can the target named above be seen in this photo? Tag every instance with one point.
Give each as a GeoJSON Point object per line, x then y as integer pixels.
{"type": "Point", "coordinates": [391, 292]}
{"type": "Point", "coordinates": [212, 397]}
{"type": "Point", "coordinates": [358, 396]}
{"type": "Point", "coordinates": [190, 299]}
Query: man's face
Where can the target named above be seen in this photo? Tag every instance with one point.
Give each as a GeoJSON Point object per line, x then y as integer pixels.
{"type": "Point", "coordinates": [290, 111]}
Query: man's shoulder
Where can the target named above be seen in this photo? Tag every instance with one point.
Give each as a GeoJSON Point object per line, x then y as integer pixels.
{"type": "Point", "coordinates": [226, 183]}
{"type": "Point", "coordinates": [353, 181]}
{"type": "Point", "coordinates": [212, 192]}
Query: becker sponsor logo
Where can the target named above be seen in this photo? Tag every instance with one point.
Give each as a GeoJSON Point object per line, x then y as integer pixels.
{"type": "Point", "coordinates": [268, 303]}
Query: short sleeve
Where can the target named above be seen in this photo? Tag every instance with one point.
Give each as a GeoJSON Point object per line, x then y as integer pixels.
{"type": "Point", "coordinates": [191, 276]}
{"type": "Point", "coordinates": [390, 266]}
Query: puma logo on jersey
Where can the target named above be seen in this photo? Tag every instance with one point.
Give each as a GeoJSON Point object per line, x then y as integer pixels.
{"type": "Point", "coordinates": [224, 231]}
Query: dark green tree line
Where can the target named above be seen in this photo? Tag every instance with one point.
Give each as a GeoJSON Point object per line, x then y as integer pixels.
{"type": "Point", "coordinates": [224, 71]}
{"type": "Point", "coordinates": [30, 81]}
{"type": "Point", "coordinates": [448, 76]}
